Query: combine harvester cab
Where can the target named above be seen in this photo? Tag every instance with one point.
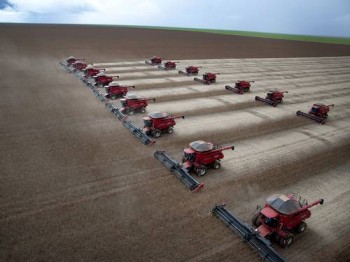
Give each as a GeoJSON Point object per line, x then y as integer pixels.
{"type": "Point", "coordinates": [208, 78]}
{"type": "Point", "coordinates": [180, 172]}
{"type": "Point", "coordinates": [273, 97]}
{"type": "Point", "coordinates": [259, 244]}
{"type": "Point", "coordinates": [168, 65]}
{"type": "Point", "coordinates": [318, 112]}
{"type": "Point", "coordinates": [156, 60]}
{"type": "Point", "coordinates": [240, 87]}
{"type": "Point", "coordinates": [190, 70]}
{"type": "Point", "coordinates": [132, 103]}
{"type": "Point", "coordinates": [203, 155]}
{"type": "Point", "coordinates": [114, 90]}
{"type": "Point", "coordinates": [282, 217]}
{"type": "Point", "coordinates": [157, 123]}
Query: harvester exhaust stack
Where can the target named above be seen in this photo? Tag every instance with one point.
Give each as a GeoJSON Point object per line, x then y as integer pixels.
{"type": "Point", "coordinates": [181, 173]}
{"type": "Point", "coordinates": [138, 133]}
{"type": "Point", "coordinates": [320, 120]}
{"type": "Point", "coordinates": [258, 243]}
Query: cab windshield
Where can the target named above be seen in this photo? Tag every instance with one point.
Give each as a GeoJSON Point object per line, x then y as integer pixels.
{"type": "Point", "coordinates": [148, 122]}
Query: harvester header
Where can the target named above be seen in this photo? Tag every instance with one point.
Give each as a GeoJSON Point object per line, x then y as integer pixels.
{"type": "Point", "coordinates": [247, 233]}
{"type": "Point", "coordinates": [180, 172]}
{"type": "Point", "coordinates": [318, 112]}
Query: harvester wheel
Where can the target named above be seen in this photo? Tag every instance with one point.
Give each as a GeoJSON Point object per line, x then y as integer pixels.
{"type": "Point", "coordinates": [142, 110]}
{"type": "Point", "coordinates": [256, 220]}
{"type": "Point", "coordinates": [170, 130]}
{"type": "Point", "coordinates": [157, 133]}
{"type": "Point", "coordinates": [201, 170]}
{"type": "Point", "coordinates": [131, 111]}
{"type": "Point", "coordinates": [113, 96]}
{"type": "Point", "coordinates": [286, 241]}
{"type": "Point", "coordinates": [301, 228]}
{"type": "Point", "coordinates": [216, 165]}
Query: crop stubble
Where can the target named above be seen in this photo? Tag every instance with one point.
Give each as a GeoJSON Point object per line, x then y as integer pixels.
{"type": "Point", "coordinates": [75, 184]}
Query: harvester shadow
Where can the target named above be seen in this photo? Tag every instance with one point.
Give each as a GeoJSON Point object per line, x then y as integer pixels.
{"type": "Point", "coordinates": [231, 135]}
{"type": "Point", "coordinates": [149, 76]}
{"type": "Point", "coordinates": [167, 84]}
{"type": "Point", "coordinates": [109, 65]}
{"type": "Point", "coordinates": [227, 107]}
{"type": "Point", "coordinates": [189, 96]}
{"type": "Point", "coordinates": [128, 70]}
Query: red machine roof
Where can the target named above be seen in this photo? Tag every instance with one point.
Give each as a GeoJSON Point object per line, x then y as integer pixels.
{"type": "Point", "coordinates": [269, 212]}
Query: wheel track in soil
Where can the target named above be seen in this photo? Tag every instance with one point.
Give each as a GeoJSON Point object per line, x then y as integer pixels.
{"type": "Point", "coordinates": [233, 68]}
{"type": "Point", "coordinates": [226, 78]}
{"type": "Point", "coordinates": [301, 148]}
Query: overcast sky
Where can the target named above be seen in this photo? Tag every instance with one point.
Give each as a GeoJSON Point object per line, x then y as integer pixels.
{"type": "Point", "coordinates": [306, 17]}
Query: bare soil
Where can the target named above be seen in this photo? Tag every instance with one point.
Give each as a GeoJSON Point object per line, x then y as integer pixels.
{"type": "Point", "coordinates": [75, 185]}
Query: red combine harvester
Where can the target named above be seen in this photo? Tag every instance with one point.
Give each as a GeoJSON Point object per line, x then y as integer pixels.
{"type": "Point", "coordinates": [71, 60]}
{"type": "Point", "coordinates": [168, 65]}
{"type": "Point", "coordinates": [101, 79]}
{"type": "Point", "coordinates": [190, 70]}
{"type": "Point", "coordinates": [208, 78]}
{"type": "Point", "coordinates": [273, 97]}
{"type": "Point", "coordinates": [318, 112]}
{"type": "Point", "coordinates": [282, 216]}
{"type": "Point", "coordinates": [91, 71]}
{"type": "Point", "coordinates": [203, 155]}
{"type": "Point", "coordinates": [79, 65]}
{"type": "Point", "coordinates": [133, 103]}
{"type": "Point", "coordinates": [157, 123]}
{"type": "Point", "coordinates": [240, 87]}
{"type": "Point", "coordinates": [68, 63]}
{"type": "Point", "coordinates": [156, 60]}
{"type": "Point", "coordinates": [114, 90]}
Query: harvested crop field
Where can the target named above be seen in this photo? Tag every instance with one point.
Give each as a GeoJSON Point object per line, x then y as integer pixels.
{"type": "Point", "coordinates": [76, 185]}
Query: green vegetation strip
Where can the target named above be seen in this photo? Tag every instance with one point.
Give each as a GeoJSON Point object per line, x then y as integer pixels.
{"type": "Point", "coordinates": [318, 39]}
